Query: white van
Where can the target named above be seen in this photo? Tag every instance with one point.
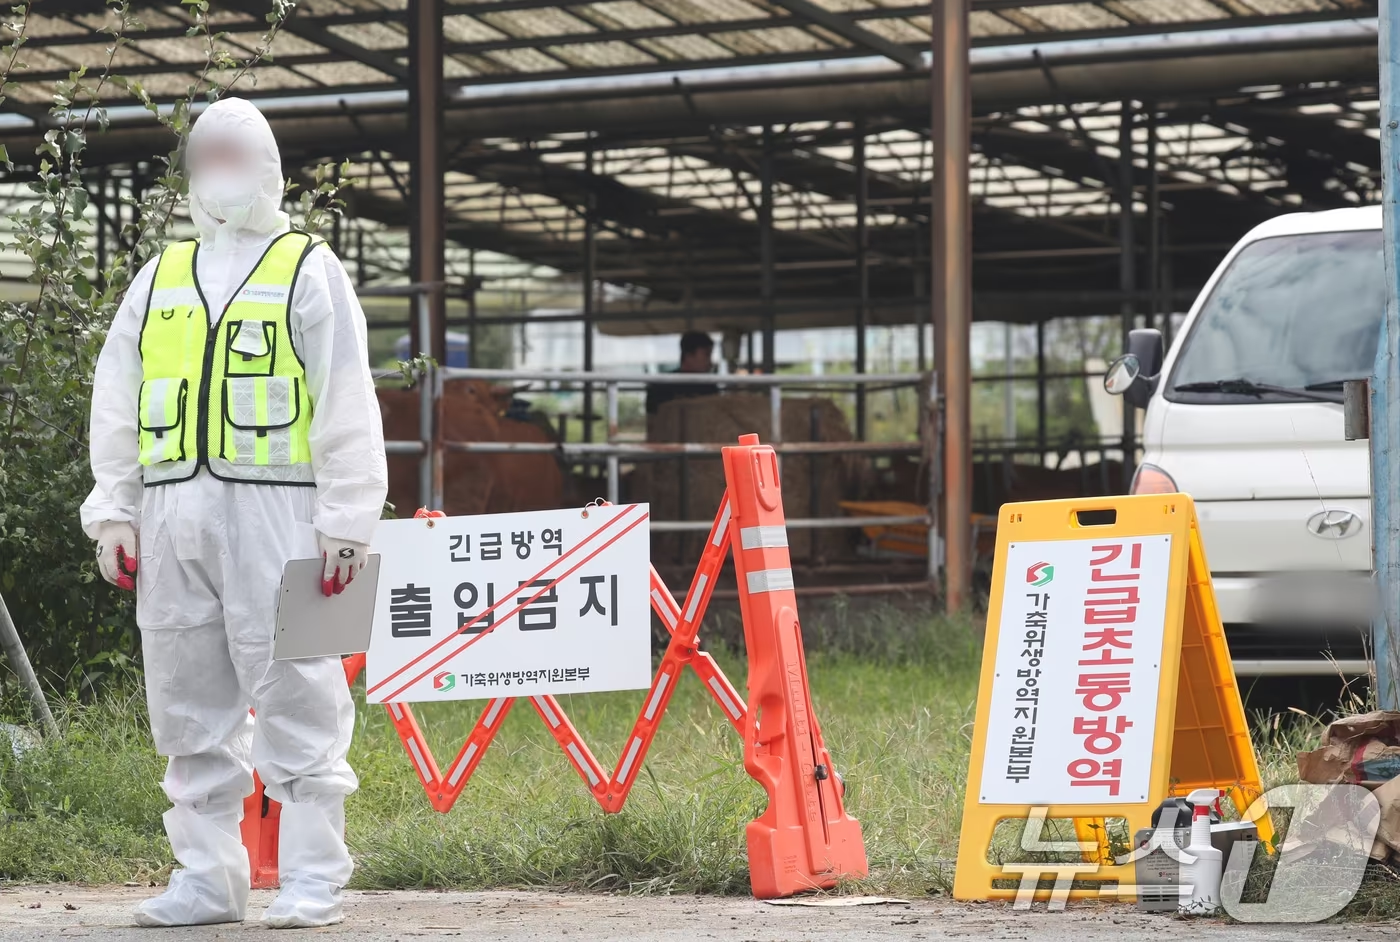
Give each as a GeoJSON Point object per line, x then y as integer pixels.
{"type": "Point", "coordinates": [1245, 415]}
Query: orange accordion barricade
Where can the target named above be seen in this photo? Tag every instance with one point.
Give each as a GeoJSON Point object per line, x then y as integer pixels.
{"type": "Point", "coordinates": [805, 840]}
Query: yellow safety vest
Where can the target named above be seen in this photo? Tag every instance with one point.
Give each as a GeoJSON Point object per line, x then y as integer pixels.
{"type": "Point", "coordinates": [229, 395]}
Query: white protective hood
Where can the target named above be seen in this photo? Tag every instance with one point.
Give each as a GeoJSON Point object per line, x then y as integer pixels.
{"type": "Point", "coordinates": [238, 121]}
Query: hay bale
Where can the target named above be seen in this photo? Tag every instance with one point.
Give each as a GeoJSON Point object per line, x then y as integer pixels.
{"type": "Point", "coordinates": [812, 485]}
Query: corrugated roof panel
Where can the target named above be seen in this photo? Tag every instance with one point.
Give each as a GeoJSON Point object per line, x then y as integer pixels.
{"type": "Point", "coordinates": [41, 59]}
{"type": "Point", "coordinates": [167, 84]}
{"type": "Point", "coordinates": [1075, 16]}
{"type": "Point", "coordinates": [93, 55]}
{"type": "Point", "coordinates": [1280, 7]}
{"type": "Point", "coordinates": [466, 29]}
{"type": "Point", "coordinates": [757, 42]}
{"type": "Point", "coordinates": [624, 14]}
{"type": "Point", "coordinates": [900, 31]}
{"type": "Point", "coordinates": [169, 50]}
{"type": "Point", "coordinates": [845, 6]}
{"type": "Point", "coordinates": [709, 11]}
{"type": "Point", "coordinates": [546, 22]}
{"type": "Point", "coordinates": [372, 35]}
{"type": "Point", "coordinates": [277, 77]}
{"type": "Point", "coordinates": [37, 25]}
{"type": "Point", "coordinates": [324, 7]}
{"type": "Point", "coordinates": [525, 60]}
{"type": "Point", "coordinates": [286, 44]}
{"type": "Point", "coordinates": [1169, 11]}
{"type": "Point", "coordinates": [986, 23]}
{"type": "Point", "coordinates": [672, 48]}
{"type": "Point", "coordinates": [456, 67]}
{"type": "Point", "coordinates": [370, 5]}
{"type": "Point", "coordinates": [342, 73]}
{"type": "Point", "coordinates": [600, 55]}
{"type": "Point", "coordinates": [482, 65]}
{"type": "Point", "coordinates": [159, 19]}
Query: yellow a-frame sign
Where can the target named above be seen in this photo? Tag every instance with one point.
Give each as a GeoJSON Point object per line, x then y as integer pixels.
{"type": "Point", "coordinates": [1106, 688]}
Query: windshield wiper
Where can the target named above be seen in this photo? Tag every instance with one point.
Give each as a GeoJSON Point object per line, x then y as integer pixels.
{"type": "Point", "coordinates": [1332, 385]}
{"type": "Point", "coordinates": [1247, 387]}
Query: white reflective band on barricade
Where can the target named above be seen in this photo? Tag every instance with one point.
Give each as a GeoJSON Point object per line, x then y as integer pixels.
{"type": "Point", "coordinates": [723, 694]}
{"type": "Point", "coordinates": [763, 537]}
{"type": "Point", "coordinates": [661, 684]}
{"type": "Point", "coordinates": [466, 760]}
{"type": "Point", "coordinates": [692, 603]}
{"type": "Point", "coordinates": [494, 712]}
{"type": "Point", "coordinates": [550, 716]}
{"type": "Point", "coordinates": [770, 580]}
{"type": "Point", "coordinates": [723, 527]}
{"type": "Point", "coordinates": [582, 764]}
{"type": "Point", "coordinates": [664, 609]}
{"type": "Point", "coordinates": [419, 761]}
{"type": "Point", "coordinates": [626, 768]}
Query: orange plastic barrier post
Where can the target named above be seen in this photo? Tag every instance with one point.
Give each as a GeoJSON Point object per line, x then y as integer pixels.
{"type": "Point", "coordinates": [262, 817]}
{"type": "Point", "coordinates": [805, 839]}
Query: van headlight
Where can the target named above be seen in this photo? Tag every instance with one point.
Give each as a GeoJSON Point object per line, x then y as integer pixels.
{"type": "Point", "coordinates": [1151, 479]}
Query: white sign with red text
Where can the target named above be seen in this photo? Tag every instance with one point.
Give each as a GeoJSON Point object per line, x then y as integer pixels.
{"type": "Point", "coordinates": [1078, 663]}
{"type": "Point", "coordinates": [511, 605]}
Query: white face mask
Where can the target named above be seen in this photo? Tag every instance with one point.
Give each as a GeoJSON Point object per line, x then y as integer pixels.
{"type": "Point", "coordinates": [227, 197]}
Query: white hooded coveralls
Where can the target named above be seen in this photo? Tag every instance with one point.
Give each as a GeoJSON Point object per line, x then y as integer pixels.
{"type": "Point", "coordinates": [211, 558]}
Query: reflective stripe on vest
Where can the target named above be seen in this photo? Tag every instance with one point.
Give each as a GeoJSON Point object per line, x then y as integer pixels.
{"type": "Point", "coordinates": [230, 395]}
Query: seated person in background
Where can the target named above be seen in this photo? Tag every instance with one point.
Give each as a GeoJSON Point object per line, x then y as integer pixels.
{"type": "Point", "coordinates": [696, 351]}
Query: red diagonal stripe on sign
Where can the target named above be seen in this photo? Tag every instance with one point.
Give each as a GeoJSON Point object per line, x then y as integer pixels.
{"type": "Point", "coordinates": [512, 613]}
{"type": "Point", "coordinates": [448, 640]}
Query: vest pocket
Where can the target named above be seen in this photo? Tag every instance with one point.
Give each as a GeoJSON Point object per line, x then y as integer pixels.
{"type": "Point", "coordinates": [250, 348]}
{"type": "Point", "coordinates": [260, 415]}
{"type": "Point", "coordinates": [161, 420]}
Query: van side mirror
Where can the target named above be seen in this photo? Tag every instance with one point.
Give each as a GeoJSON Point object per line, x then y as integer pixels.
{"type": "Point", "coordinates": [1121, 375]}
{"type": "Point", "coordinates": [1134, 375]}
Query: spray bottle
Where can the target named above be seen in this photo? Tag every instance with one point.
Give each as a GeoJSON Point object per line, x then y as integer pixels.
{"type": "Point", "coordinates": [1203, 873]}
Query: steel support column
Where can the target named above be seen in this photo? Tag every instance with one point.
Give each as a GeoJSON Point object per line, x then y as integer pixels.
{"type": "Point", "coordinates": [428, 231]}
{"type": "Point", "coordinates": [862, 275]}
{"type": "Point", "coordinates": [473, 286]}
{"type": "Point", "coordinates": [1127, 271]}
{"type": "Point", "coordinates": [765, 253]}
{"type": "Point", "coordinates": [951, 297]}
{"type": "Point", "coordinates": [1385, 387]}
{"type": "Point", "coordinates": [1041, 430]}
{"type": "Point", "coordinates": [1154, 219]}
{"type": "Point", "coordinates": [589, 297]}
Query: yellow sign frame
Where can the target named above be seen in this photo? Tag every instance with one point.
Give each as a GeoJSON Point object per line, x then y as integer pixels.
{"type": "Point", "coordinates": [1201, 738]}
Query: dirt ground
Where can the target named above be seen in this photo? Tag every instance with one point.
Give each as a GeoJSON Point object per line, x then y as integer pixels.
{"type": "Point", "coordinates": [39, 914]}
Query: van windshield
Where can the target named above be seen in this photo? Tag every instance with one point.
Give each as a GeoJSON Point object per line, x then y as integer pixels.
{"type": "Point", "coordinates": [1291, 314]}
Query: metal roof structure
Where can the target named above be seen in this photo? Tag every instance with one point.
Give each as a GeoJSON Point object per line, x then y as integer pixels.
{"type": "Point", "coordinates": [335, 47]}
{"type": "Point", "coordinates": [681, 127]}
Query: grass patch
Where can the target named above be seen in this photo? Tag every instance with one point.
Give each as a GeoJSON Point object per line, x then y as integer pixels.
{"type": "Point", "coordinates": [895, 691]}
{"type": "Point", "coordinates": [897, 719]}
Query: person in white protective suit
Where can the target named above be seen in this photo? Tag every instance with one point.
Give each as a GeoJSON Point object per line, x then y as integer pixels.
{"type": "Point", "coordinates": [235, 427]}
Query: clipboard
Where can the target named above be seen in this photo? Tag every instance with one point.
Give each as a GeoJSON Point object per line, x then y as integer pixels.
{"type": "Point", "coordinates": [311, 625]}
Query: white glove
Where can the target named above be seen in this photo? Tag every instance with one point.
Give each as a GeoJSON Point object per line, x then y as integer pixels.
{"type": "Point", "coordinates": [117, 553]}
{"type": "Point", "coordinates": [344, 559]}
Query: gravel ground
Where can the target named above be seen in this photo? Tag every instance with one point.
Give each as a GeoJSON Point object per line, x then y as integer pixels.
{"type": "Point", "coordinates": [38, 914]}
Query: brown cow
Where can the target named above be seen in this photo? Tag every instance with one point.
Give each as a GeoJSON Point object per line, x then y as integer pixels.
{"type": "Point", "coordinates": [472, 483]}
